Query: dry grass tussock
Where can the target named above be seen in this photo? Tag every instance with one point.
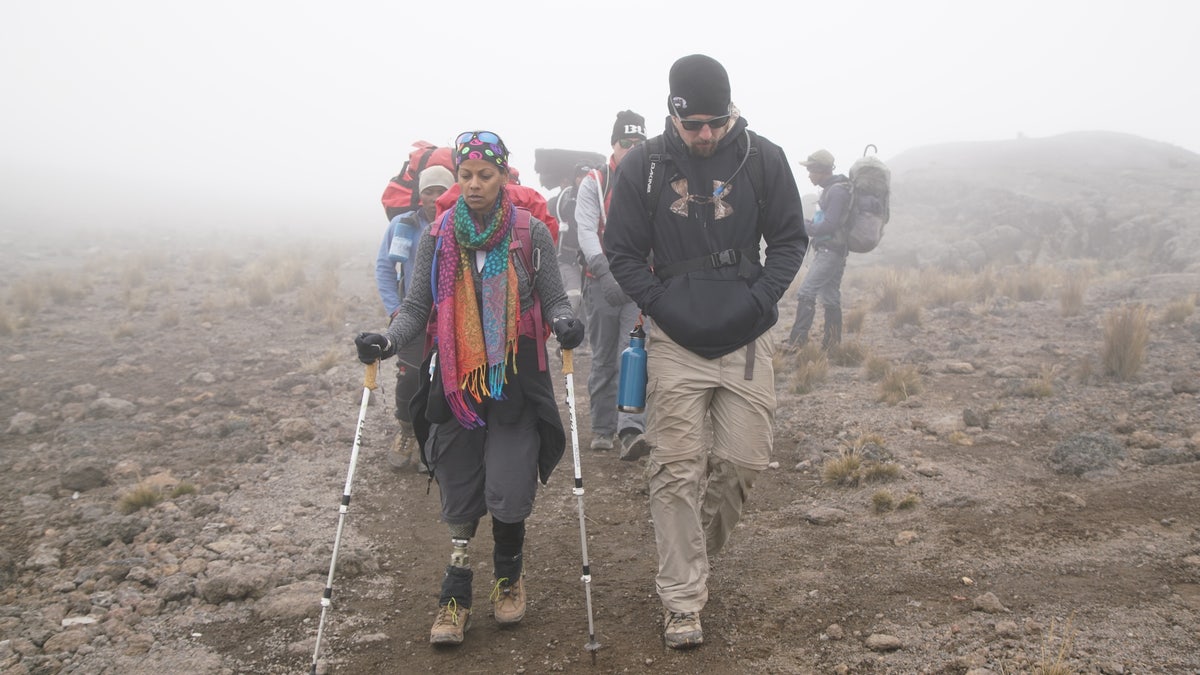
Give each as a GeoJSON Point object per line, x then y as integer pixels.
{"type": "Point", "coordinates": [145, 496]}
{"type": "Point", "coordinates": [1071, 296]}
{"type": "Point", "coordinates": [849, 353]}
{"type": "Point", "coordinates": [909, 314]}
{"type": "Point", "coordinates": [884, 500]}
{"type": "Point", "coordinates": [810, 367]}
{"type": "Point", "coordinates": [1028, 282]}
{"type": "Point", "coordinates": [876, 368]}
{"type": "Point", "coordinates": [27, 295]}
{"type": "Point", "coordinates": [1178, 311]}
{"type": "Point", "coordinates": [898, 384]}
{"type": "Point", "coordinates": [320, 301]}
{"type": "Point", "coordinates": [1043, 385]}
{"type": "Point", "coordinates": [892, 290]}
{"type": "Point", "coordinates": [943, 289]}
{"type": "Point", "coordinates": [854, 320]}
{"type": "Point", "coordinates": [1126, 334]}
{"type": "Point", "coordinates": [853, 466]}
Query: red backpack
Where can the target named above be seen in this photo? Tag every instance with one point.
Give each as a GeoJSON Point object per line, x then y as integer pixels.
{"type": "Point", "coordinates": [401, 194]}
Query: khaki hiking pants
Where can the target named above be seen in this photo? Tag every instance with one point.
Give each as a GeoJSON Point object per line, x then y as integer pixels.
{"type": "Point", "coordinates": [694, 403]}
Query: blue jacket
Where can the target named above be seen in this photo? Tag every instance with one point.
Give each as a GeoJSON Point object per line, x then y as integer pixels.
{"type": "Point", "coordinates": [391, 280]}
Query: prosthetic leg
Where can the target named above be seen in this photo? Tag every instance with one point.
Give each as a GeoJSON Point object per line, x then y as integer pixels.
{"type": "Point", "coordinates": [454, 604]}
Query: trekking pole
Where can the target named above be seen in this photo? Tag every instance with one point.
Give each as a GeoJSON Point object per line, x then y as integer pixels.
{"type": "Point", "coordinates": [368, 384]}
{"type": "Point", "coordinates": [569, 371]}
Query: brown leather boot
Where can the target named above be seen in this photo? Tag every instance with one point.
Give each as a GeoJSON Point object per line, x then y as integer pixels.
{"type": "Point", "coordinates": [509, 601]}
{"type": "Point", "coordinates": [451, 623]}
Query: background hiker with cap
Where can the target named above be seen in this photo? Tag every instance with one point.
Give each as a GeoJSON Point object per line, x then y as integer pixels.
{"type": "Point", "coordinates": [393, 276]}
{"type": "Point", "coordinates": [826, 231]}
{"type": "Point", "coordinates": [610, 313]}
{"type": "Point", "coordinates": [712, 297]}
{"type": "Point", "coordinates": [487, 417]}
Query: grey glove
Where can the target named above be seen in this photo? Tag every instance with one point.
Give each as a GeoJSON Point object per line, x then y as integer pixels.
{"type": "Point", "coordinates": [609, 287]}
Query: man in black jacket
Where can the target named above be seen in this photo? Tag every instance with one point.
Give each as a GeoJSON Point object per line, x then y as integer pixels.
{"type": "Point", "coordinates": [712, 298]}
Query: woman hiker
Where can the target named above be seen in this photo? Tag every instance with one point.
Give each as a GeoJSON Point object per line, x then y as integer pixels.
{"type": "Point", "coordinates": [487, 418]}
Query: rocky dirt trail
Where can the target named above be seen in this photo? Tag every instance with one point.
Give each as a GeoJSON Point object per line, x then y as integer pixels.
{"type": "Point", "coordinates": [1018, 530]}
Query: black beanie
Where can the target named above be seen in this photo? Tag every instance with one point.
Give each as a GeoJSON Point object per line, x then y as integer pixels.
{"type": "Point", "coordinates": [699, 86]}
{"type": "Point", "coordinates": [628, 125]}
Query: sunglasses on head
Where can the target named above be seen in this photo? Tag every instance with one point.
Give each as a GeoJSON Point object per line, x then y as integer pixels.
{"type": "Point", "coordinates": [627, 143]}
{"type": "Point", "coordinates": [696, 125]}
{"type": "Point", "coordinates": [485, 136]}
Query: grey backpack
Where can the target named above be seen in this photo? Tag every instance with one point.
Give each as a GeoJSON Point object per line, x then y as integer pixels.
{"type": "Point", "coordinates": [870, 207]}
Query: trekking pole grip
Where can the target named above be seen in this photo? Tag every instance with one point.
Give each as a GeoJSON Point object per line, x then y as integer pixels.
{"type": "Point", "coordinates": [370, 374]}
{"type": "Point", "coordinates": [568, 361]}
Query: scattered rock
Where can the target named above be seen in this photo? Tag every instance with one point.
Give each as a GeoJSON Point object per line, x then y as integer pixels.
{"type": "Point", "coordinates": [826, 515]}
{"type": "Point", "coordinates": [976, 418]}
{"type": "Point", "coordinates": [66, 641]}
{"type": "Point", "coordinates": [1086, 452]}
{"type": "Point", "coordinates": [988, 602]}
{"type": "Point", "coordinates": [23, 424]}
{"type": "Point", "coordinates": [297, 429]}
{"type": "Point", "coordinates": [882, 642]}
{"type": "Point", "coordinates": [293, 602]}
{"type": "Point", "coordinates": [111, 407]}
{"type": "Point", "coordinates": [83, 477]}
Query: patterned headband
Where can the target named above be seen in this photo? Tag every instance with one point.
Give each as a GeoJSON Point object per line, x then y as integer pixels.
{"type": "Point", "coordinates": [483, 145]}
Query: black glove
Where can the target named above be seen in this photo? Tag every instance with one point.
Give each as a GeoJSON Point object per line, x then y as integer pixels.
{"type": "Point", "coordinates": [373, 347]}
{"type": "Point", "coordinates": [569, 332]}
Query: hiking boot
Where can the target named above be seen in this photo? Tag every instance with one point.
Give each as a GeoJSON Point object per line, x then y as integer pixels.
{"type": "Point", "coordinates": [451, 622]}
{"type": "Point", "coordinates": [402, 456]}
{"type": "Point", "coordinates": [634, 445]}
{"type": "Point", "coordinates": [681, 630]}
{"type": "Point", "coordinates": [508, 601]}
{"type": "Point", "coordinates": [602, 442]}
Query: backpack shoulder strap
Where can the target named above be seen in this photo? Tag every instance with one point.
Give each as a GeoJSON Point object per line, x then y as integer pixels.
{"type": "Point", "coordinates": [657, 158]}
{"type": "Point", "coordinates": [531, 260]}
{"type": "Point", "coordinates": [756, 171]}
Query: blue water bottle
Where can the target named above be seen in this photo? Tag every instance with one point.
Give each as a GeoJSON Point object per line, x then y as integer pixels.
{"type": "Point", "coordinates": [631, 389]}
{"type": "Point", "coordinates": [402, 241]}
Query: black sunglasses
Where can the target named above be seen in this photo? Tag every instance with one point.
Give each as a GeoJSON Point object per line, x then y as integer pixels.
{"type": "Point", "coordinates": [696, 125]}
{"type": "Point", "coordinates": [628, 143]}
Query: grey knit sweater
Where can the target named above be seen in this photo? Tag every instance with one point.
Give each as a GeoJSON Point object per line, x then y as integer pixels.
{"type": "Point", "coordinates": [414, 312]}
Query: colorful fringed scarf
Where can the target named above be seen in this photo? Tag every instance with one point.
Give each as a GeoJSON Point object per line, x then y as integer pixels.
{"type": "Point", "coordinates": [474, 348]}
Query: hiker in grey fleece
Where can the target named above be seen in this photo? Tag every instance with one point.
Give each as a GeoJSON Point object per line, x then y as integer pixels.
{"type": "Point", "coordinates": [610, 313]}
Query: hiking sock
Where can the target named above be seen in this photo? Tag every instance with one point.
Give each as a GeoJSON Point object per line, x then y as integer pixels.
{"type": "Point", "coordinates": [456, 584]}
{"type": "Point", "coordinates": [509, 540]}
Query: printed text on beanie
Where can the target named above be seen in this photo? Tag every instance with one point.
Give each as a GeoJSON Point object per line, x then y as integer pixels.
{"type": "Point", "coordinates": [628, 125]}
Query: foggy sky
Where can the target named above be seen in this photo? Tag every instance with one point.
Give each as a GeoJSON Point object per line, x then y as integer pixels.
{"type": "Point", "coordinates": [287, 113]}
